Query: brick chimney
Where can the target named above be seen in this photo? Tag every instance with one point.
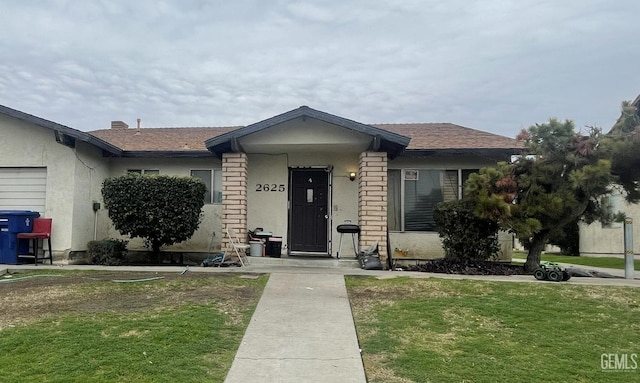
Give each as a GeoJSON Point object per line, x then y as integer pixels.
{"type": "Point", "coordinates": [119, 125]}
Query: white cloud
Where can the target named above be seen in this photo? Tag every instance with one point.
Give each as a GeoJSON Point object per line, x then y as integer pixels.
{"type": "Point", "coordinates": [492, 65]}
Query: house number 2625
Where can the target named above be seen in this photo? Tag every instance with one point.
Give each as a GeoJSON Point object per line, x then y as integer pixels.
{"type": "Point", "coordinates": [269, 187]}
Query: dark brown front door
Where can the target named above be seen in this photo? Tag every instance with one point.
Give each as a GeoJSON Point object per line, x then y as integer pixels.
{"type": "Point", "coordinates": [309, 210]}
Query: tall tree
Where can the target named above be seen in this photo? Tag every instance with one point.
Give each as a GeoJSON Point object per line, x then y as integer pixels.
{"type": "Point", "coordinates": [561, 178]}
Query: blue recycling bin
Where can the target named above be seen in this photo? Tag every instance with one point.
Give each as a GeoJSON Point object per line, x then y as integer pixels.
{"type": "Point", "coordinates": [13, 222]}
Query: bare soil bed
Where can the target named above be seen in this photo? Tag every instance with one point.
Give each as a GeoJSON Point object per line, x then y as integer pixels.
{"type": "Point", "coordinates": [453, 266]}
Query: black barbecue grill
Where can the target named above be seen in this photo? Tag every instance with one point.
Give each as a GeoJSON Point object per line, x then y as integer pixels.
{"type": "Point", "coordinates": [348, 228]}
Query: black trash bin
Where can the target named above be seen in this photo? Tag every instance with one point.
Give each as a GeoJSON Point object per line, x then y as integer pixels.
{"type": "Point", "coordinates": [13, 222]}
{"type": "Point", "coordinates": [274, 247]}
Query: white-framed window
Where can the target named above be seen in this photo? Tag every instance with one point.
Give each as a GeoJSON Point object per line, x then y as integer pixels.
{"type": "Point", "coordinates": [147, 172]}
{"type": "Point", "coordinates": [413, 195]}
{"type": "Point", "coordinates": [212, 178]}
{"type": "Point", "coordinates": [612, 204]}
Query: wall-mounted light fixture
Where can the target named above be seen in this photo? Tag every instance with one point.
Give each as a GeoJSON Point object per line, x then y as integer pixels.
{"type": "Point", "coordinates": [352, 176]}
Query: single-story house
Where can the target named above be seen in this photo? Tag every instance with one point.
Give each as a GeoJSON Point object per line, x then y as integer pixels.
{"type": "Point", "coordinates": [297, 175]}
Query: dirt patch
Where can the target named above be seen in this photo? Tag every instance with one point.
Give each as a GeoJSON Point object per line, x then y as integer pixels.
{"type": "Point", "coordinates": [378, 373]}
{"type": "Point", "coordinates": [33, 297]}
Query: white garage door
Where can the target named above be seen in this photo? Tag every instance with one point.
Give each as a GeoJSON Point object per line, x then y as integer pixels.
{"type": "Point", "coordinates": [23, 189]}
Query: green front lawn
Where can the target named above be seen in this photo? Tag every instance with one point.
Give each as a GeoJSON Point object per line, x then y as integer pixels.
{"type": "Point", "coordinates": [441, 330]}
{"type": "Point", "coordinates": [83, 327]}
{"type": "Point", "coordinates": [610, 262]}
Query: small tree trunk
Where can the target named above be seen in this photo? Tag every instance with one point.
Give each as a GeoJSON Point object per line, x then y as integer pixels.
{"type": "Point", "coordinates": [155, 252]}
{"type": "Point", "coordinates": [537, 244]}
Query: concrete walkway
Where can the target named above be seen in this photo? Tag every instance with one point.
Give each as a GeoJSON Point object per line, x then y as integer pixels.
{"type": "Point", "coordinates": [302, 331]}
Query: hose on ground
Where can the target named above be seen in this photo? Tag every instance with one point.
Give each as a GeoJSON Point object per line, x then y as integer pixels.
{"type": "Point", "coordinates": [11, 279]}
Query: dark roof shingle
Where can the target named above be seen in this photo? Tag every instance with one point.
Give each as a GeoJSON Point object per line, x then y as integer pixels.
{"type": "Point", "coordinates": [161, 139]}
{"type": "Point", "coordinates": [424, 136]}
{"type": "Point", "coordinates": [437, 136]}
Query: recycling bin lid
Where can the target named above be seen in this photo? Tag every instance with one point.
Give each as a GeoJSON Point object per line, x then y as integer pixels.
{"type": "Point", "coordinates": [17, 221]}
{"type": "Point", "coordinates": [18, 212]}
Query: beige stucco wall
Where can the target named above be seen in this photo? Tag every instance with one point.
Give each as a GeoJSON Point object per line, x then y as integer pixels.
{"type": "Point", "coordinates": [303, 136]}
{"type": "Point", "coordinates": [428, 245]}
{"type": "Point", "coordinates": [91, 168]}
{"type": "Point", "coordinates": [211, 224]}
{"type": "Point", "coordinates": [71, 176]}
{"type": "Point", "coordinates": [596, 240]}
{"type": "Point", "coordinates": [424, 245]}
{"type": "Point", "coordinates": [269, 210]}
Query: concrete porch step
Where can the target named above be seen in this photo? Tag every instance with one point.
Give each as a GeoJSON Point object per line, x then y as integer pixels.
{"type": "Point", "coordinates": [304, 261]}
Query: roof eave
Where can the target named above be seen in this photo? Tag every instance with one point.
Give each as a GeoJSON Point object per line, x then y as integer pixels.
{"type": "Point", "coordinates": [222, 143]}
{"type": "Point", "coordinates": [166, 154]}
{"type": "Point", "coordinates": [61, 130]}
{"type": "Point", "coordinates": [495, 153]}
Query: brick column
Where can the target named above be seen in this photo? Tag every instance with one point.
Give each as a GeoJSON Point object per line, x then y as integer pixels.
{"type": "Point", "coordinates": [234, 195]}
{"type": "Point", "coordinates": [372, 202]}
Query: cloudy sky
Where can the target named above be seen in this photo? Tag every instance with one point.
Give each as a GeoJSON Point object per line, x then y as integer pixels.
{"type": "Point", "coordinates": [494, 65]}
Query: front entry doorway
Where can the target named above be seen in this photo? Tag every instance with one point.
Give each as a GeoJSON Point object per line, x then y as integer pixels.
{"type": "Point", "coordinates": [309, 214]}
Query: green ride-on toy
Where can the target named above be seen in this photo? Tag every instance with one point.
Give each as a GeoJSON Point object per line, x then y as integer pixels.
{"type": "Point", "coordinates": [551, 271]}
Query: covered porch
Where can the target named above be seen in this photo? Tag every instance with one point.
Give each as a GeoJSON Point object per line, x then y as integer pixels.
{"type": "Point", "coordinates": [301, 174]}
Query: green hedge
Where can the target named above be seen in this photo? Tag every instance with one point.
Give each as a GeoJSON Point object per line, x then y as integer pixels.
{"type": "Point", "coordinates": [162, 210]}
{"type": "Point", "coordinates": [108, 252]}
{"type": "Point", "coordinates": [464, 235]}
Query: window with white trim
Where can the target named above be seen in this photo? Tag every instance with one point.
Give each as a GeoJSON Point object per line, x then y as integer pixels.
{"type": "Point", "coordinates": [612, 204]}
{"type": "Point", "coordinates": [413, 195]}
{"type": "Point", "coordinates": [212, 178]}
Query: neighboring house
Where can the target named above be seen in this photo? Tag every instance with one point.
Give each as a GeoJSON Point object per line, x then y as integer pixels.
{"type": "Point", "coordinates": [298, 175]}
{"type": "Point", "coordinates": [598, 239]}
{"type": "Point", "coordinates": [602, 240]}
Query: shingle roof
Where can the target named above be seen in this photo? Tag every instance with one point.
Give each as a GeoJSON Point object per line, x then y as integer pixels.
{"type": "Point", "coordinates": [442, 136]}
{"type": "Point", "coordinates": [161, 139]}
{"type": "Point", "coordinates": [424, 136]}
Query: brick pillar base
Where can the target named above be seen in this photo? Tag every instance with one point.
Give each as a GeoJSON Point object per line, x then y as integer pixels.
{"type": "Point", "coordinates": [372, 202]}
{"type": "Point", "coordinates": [234, 195]}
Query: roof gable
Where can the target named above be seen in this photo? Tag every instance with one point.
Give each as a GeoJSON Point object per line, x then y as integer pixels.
{"type": "Point", "coordinates": [382, 140]}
